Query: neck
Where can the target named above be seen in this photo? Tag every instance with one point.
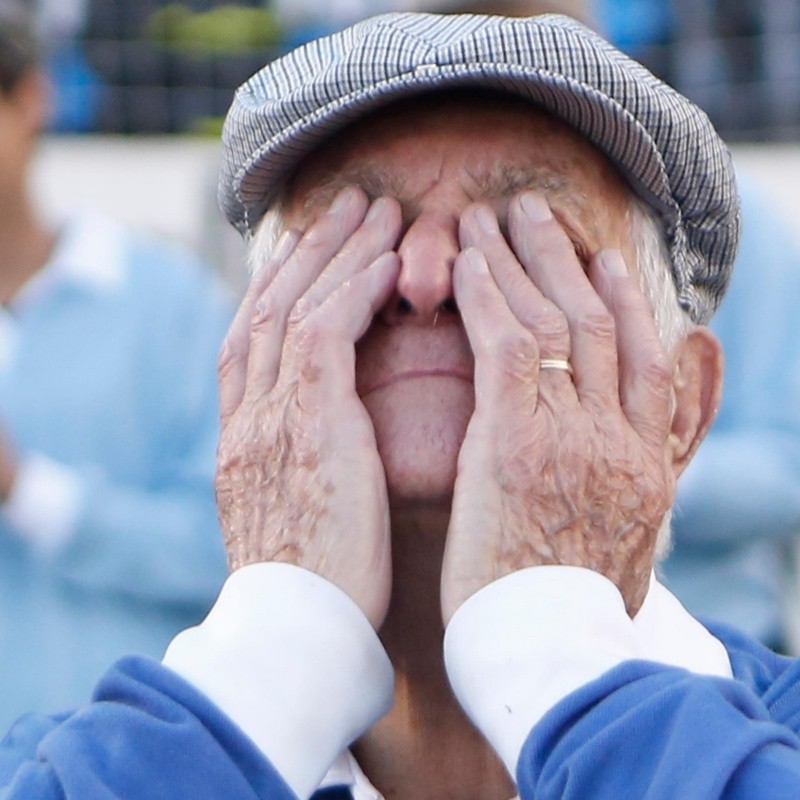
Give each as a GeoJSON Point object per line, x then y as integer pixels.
{"type": "Point", "coordinates": [425, 747]}
{"type": "Point", "coordinates": [25, 246]}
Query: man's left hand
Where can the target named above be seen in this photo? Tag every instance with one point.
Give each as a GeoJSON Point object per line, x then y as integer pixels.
{"type": "Point", "coordinates": [556, 468]}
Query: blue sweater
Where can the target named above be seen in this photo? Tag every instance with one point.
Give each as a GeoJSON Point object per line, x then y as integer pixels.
{"type": "Point", "coordinates": [111, 377]}
{"type": "Point", "coordinates": [642, 730]}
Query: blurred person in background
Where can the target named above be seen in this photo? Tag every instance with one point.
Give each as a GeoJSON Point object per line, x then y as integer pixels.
{"type": "Point", "coordinates": [738, 502]}
{"type": "Point", "coordinates": [634, 24]}
{"type": "Point", "coordinates": [78, 89]}
{"type": "Point", "coordinates": [109, 541]}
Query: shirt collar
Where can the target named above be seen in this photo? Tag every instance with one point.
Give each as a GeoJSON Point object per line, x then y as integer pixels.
{"type": "Point", "coordinates": [346, 772]}
{"type": "Point", "coordinates": [89, 252]}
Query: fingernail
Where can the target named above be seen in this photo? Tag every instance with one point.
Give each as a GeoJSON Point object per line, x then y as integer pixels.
{"type": "Point", "coordinates": [475, 258]}
{"type": "Point", "coordinates": [285, 246]}
{"type": "Point", "coordinates": [376, 210]}
{"type": "Point", "coordinates": [342, 200]}
{"type": "Point", "coordinates": [535, 207]}
{"type": "Point", "coordinates": [385, 261]}
{"type": "Point", "coordinates": [613, 263]}
{"type": "Point", "coordinates": [486, 219]}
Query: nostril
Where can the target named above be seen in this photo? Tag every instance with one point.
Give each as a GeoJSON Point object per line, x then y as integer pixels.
{"type": "Point", "coordinates": [404, 305]}
{"type": "Point", "coordinates": [449, 305]}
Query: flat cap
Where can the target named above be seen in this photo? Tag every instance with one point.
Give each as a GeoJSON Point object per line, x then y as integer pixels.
{"type": "Point", "coordinates": [663, 144]}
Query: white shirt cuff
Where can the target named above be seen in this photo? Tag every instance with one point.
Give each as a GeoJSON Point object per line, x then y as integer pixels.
{"type": "Point", "coordinates": [525, 642]}
{"type": "Point", "coordinates": [292, 660]}
{"type": "Point", "coordinates": [44, 503]}
{"type": "Point", "coordinates": [669, 634]}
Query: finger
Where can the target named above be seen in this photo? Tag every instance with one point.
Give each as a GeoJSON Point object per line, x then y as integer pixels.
{"type": "Point", "coordinates": [378, 234]}
{"type": "Point", "coordinates": [479, 228]}
{"type": "Point", "coordinates": [645, 376]}
{"type": "Point", "coordinates": [549, 258]}
{"type": "Point", "coordinates": [506, 353]}
{"type": "Point", "coordinates": [310, 257]}
{"type": "Point", "coordinates": [232, 366]}
{"type": "Point", "coordinates": [324, 354]}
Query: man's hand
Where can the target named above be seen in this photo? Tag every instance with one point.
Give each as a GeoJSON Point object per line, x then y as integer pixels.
{"type": "Point", "coordinates": [556, 468]}
{"type": "Point", "coordinates": [299, 478]}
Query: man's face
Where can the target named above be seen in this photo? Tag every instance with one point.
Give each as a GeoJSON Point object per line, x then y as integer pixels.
{"type": "Point", "coordinates": [414, 366]}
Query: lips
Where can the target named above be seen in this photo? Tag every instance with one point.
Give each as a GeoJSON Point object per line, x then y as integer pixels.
{"type": "Point", "coordinates": [387, 355]}
{"type": "Point", "coordinates": [392, 377]}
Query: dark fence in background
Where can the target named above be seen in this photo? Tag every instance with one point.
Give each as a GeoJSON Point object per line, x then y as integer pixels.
{"type": "Point", "coordinates": [738, 59]}
{"type": "Point", "coordinates": [149, 87]}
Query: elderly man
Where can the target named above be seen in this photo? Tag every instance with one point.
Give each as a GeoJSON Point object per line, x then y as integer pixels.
{"type": "Point", "coordinates": [468, 370]}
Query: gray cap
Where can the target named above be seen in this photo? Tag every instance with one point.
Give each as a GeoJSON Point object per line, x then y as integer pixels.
{"type": "Point", "coordinates": [664, 145]}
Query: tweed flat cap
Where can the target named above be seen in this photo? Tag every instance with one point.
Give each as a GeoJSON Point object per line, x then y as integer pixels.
{"type": "Point", "coordinates": [663, 144]}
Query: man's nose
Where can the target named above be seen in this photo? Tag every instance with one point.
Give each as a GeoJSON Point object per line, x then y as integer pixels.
{"type": "Point", "coordinates": [424, 294]}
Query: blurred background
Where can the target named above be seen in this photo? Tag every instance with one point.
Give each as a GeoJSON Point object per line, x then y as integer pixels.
{"type": "Point", "coordinates": [142, 88]}
{"type": "Point", "coordinates": [153, 67]}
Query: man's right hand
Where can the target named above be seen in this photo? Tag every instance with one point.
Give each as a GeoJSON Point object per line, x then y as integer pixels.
{"type": "Point", "coordinates": [299, 479]}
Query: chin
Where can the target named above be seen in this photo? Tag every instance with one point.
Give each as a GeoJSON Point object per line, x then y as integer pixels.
{"type": "Point", "coordinates": [419, 426]}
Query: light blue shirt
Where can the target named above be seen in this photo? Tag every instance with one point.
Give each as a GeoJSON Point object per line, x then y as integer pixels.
{"type": "Point", "coordinates": [739, 500]}
{"type": "Point", "coordinates": [110, 541]}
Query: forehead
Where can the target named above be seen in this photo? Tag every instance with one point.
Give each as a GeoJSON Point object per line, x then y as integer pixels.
{"type": "Point", "coordinates": [492, 145]}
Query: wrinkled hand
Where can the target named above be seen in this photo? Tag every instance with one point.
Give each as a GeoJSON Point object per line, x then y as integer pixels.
{"type": "Point", "coordinates": [556, 468]}
{"type": "Point", "coordinates": [299, 479]}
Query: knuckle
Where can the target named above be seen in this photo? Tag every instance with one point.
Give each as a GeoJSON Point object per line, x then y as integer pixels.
{"type": "Point", "coordinates": [511, 342]}
{"type": "Point", "coordinates": [598, 325]}
{"type": "Point", "coordinates": [551, 332]}
{"type": "Point", "coordinates": [551, 324]}
{"type": "Point", "coordinates": [307, 349]}
{"type": "Point", "coordinates": [301, 310]}
{"type": "Point", "coordinates": [317, 238]}
{"type": "Point", "coordinates": [266, 312]}
{"type": "Point", "coordinates": [513, 353]}
{"type": "Point", "coordinates": [317, 328]}
{"type": "Point", "coordinates": [657, 374]}
{"type": "Point", "coordinates": [228, 358]}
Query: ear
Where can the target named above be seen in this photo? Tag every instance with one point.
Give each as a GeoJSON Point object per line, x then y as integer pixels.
{"type": "Point", "coordinates": [697, 387]}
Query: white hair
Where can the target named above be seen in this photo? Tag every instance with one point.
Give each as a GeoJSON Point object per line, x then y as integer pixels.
{"type": "Point", "coordinates": [262, 243]}
{"type": "Point", "coordinates": [655, 276]}
{"type": "Point", "coordinates": [673, 322]}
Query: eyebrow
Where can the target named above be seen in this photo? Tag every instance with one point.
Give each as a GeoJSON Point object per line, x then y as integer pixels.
{"type": "Point", "coordinates": [503, 181]}
{"type": "Point", "coordinates": [506, 180]}
{"type": "Point", "coordinates": [374, 181]}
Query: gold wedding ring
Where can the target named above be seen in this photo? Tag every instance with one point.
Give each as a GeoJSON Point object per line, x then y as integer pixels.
{"type": "Point", "coordinates": [556, 363]}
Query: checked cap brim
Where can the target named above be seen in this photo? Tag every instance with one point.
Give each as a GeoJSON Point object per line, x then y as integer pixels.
{"type": "Point", "coordinates": [663, 144]}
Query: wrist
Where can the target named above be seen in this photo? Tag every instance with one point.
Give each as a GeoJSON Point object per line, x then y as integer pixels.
{"type": "Point", "coordinates": [293, 662]}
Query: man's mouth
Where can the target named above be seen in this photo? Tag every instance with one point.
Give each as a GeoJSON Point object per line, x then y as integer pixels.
{"type": "Point", "coordinates": [461, 374]}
